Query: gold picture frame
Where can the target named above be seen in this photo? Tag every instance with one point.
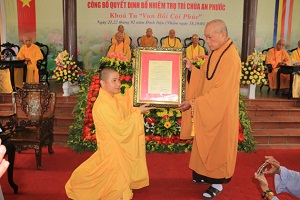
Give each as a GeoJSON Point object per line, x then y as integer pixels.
{"type": "Point", "coordinates": [160, 77]}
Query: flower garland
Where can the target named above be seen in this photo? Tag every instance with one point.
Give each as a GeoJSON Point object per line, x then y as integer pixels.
{"type": "Point", "coordinates": [66, 69]}
{"type": "Point", "coordinates": [162, 126]}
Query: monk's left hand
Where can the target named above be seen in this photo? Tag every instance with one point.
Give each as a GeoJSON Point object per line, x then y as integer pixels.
{"type": "Point", "coordinates": [184, 106]}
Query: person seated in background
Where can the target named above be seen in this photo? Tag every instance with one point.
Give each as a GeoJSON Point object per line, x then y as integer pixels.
{"type": "Point", "coordinates": [120, 46]}
{"type": "Point", "coordinates": [30, 53]}
{"type": "Point", "coordinates": [285, 180]}
{"type": "Point", "coordinates": [126, 37]}
{"type": "Point", "coordinates": [295, 56]}
{"type": "Point", "coordinates": [171, 41]}
{"type": "Point", "coordinates": [277, 56]}
{"type": "Point", "coordinates": [148, 40]}
{"type": "Point", "coordinates": [194, 50]}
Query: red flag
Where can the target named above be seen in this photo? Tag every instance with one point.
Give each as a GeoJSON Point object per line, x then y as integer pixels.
{"type": "Point", "coordinates": [26, 18]}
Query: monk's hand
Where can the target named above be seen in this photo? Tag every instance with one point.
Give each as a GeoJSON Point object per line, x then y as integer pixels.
{"type": "Point", "coordinates": [184, 106]}
{"type": "Point", "coordinates": [188, 64]}
{"type": "Point", "coordinates": [144, 108]}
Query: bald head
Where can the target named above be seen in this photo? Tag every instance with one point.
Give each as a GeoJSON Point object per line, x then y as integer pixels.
{"type": "Point", "coordinates": [105, 72]}
{"type": "Point", "coordinates": [121, 28]}
{"type": "Point", "coordinates": [149, 32]}
{"type": "Point", "coordinates": [280, 44]}
{"type": "Point", "coordinates": [172, 33]}
{"type": "Point", "coordinates": [218, 25]}
{"type": "Point", "coordinates": [27, 40]}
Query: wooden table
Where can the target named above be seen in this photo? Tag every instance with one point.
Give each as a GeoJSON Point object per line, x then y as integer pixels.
{"type": "Point", "coordinates": [11, 65]}
{"type": "Point", "coordinates": [285, 69]}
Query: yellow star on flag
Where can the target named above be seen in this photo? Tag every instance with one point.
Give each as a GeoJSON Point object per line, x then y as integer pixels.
{"type": "Point", "coordinates": [25, 3]}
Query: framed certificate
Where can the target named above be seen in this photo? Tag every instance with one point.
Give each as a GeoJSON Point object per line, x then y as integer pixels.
{"type": "Point", "coordinates": [159, 77]}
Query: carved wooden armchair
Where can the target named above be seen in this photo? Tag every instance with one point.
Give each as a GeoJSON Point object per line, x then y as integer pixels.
{"type": "Point", "coordinates": [42, 64]}
{"type": "Point", "coordinates": [165, 37]}
{"type": "Point", "coordinates": [35, 119]}
{"type": "Point", "coordinates": [8, 51]}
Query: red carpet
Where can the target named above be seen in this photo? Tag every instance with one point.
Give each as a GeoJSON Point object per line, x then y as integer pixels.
{"type": "Point", "coordinates": [170, 177]}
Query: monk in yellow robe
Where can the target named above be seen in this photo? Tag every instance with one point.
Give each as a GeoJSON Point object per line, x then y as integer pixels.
{"type": "Point", "coordinates": [278, 56]}
{"type": "Point", "coordinates": [148, 40]}
{"type": "Point", "coordinates": [30, 53]}
{"type": "Point", "coordinates": [295, 56]}
{"type": "Point", "coordinates": [212, 102]}
{"type": "Point", "coordinates": [126, 37]}
{"type": "Point", "coordinates": [119, 164]}
{"type": "Point", "coordinates": [194, 49]}
{"type": "Point", "coordinates": [171, 41]}
{"type": "Point", "coordinates": [120, 46]}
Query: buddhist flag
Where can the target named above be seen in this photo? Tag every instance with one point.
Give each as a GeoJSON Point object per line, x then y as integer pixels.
{"type": "Point", "coordinates": [26, 18]}
{"type": "Point", "coordinates": [283, 20]}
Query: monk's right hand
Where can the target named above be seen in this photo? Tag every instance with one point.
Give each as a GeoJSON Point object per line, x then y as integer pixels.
{"type": "Point", "coordinates": [184, 106]}
{"type": "Point", "coordinates": [188, 64]}
{"type": "Point", "coordinates": [144, 108]}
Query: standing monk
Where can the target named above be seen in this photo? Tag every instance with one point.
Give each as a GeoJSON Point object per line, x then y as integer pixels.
{"type": "Point", "coordinates": [31, 53]}
{"type": "Point", "coordinates": [119, 164]}
{"type": "Point", "coordinates": [213, 105]}
{"type": "Point", "coordinates": [148, 40]}
{"type": "Point", "coordinates": [278, 56]}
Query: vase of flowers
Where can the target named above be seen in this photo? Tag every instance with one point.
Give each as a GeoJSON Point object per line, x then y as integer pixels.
{"type": "Point", "coordinates": [199, 60]}
{"type": "Point", "coordinates": [66, 72]}
{"type": "Point", "coordinates": [252, 73]}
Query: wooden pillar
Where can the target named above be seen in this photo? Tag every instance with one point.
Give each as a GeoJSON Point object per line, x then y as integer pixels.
{"type": "Point", "coordinates": [249, 28]}
{"type": "Point", "coordinates": [70, 27]}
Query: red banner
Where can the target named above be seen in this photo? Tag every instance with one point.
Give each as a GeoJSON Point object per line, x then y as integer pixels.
{"type": "Point", "coordinates": [26, 18]}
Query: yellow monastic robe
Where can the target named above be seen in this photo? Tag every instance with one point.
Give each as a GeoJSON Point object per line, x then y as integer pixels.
{"type": "Point", "coordinates": [34, 53]}
{"type": "Point", "coordinates": [216, 115]}
{"type": "Point", "coordinates": [274, 57]}
{"type": "Point", "coordinates": [173, 43]}
{"type": "Point", "coordinates": [192, 51]}
{"type": "Point", "coordinates": [148, 41]}
{"type": "Point", "coordinates": [295, 56]}
{"type": "Point", "coordinates": [125, 36]}
{"type": "Point", "coordinates": [119, 164]}
{"type": "Point", "coordinates": [122, 47]}
{"type": "Point", "coordinates": [5, 84]}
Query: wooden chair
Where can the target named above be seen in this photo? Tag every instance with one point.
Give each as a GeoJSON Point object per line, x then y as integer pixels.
{"type": "Point", "coordinates": [42, 64]}
{"type": "Point", "coordinates": [268, 69]}
{"type": "Point", "coordinates": [35, 119]}
{"type": "Point", "coordinates": [139, 39]}
{"type": "Point", "coordinates": [8, 51]}
{"type": "Point", "coordinates": [162, 39]}
{"type": "Point", "coordinates": [188, 42]}
{"type": "Point", "coordinates": [291, 50]}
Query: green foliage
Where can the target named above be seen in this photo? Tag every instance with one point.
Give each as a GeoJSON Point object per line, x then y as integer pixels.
{"type": "Point", "coordinates": [75, 140]}
{"type": "Point", "coordinates": [160, 137]}
{"type": "Point", "coordinates": [249, 144]}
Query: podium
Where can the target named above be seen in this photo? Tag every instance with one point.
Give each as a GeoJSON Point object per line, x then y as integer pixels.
{"type": "Point", "coordinates": [286, 69]}
{"type": "Point", "coordinates": [11, 65]}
